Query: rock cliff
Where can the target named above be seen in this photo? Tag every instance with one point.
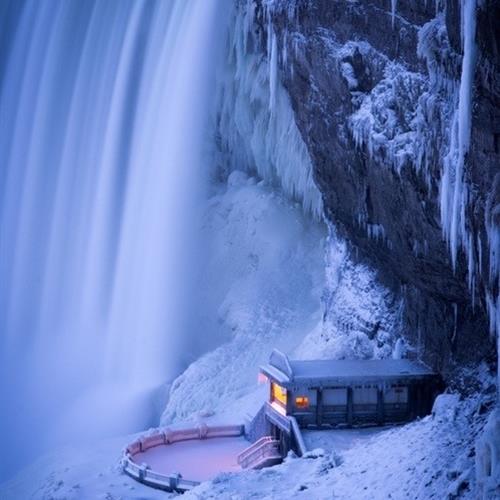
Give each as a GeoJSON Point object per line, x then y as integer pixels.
{"type": "Point", "coordinates": [398, 105]}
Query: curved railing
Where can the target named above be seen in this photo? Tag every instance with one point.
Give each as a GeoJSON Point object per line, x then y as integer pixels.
{"type": "Point", "coordinates": [173, 481]}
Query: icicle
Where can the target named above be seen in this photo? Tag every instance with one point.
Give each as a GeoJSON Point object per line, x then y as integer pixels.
{"type": "Point", "coordinates": [284, 51]}
{"type": "Point", "coordinates": [273, 73]}
{"type": "Point", "coordinates": [455, 318]}
{"type": "Point", "coordinates": [255, 115]}
{"type": "Point", "coordinates": [453, 205]}
{"type": "Point", "coordinates": [393, 11]}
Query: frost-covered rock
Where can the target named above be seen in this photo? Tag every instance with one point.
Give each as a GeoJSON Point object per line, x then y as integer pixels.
{"type": "Point", "coordinates": [361, 318]}
{"type": "Point", "coordinates": [385, 112]}
{"type": "Point", "coordinates": [445, 407]}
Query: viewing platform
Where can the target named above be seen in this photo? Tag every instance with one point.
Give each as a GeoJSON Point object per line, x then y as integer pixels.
{"type": "Point", "coordinates": [322, 395]}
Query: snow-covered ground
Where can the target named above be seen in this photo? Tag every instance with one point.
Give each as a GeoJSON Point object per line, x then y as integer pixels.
{"type": "Point", "coordinates": [260, 286]}
{"type": "Point", "coordinates": [429, 458]}
{"type": "Point", "coordinates": [79, 473]}
{"type": "Point", "coordinates": [266, 270]}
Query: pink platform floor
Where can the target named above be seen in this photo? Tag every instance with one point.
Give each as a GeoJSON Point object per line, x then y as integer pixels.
{"type": "Point", "coordinates": [197, 460]}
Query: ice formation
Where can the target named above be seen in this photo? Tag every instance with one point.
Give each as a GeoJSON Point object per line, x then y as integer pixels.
{"type": "Point", "coordinates": [394, 4]}
{"type": "Point", "coordinates": [488, 457]}
{"type": "Point", "coordinates": [407, 120]}
{"type": "Point", "coordinates": [386, 120]}
{"type": "Point", "coordinates": [361, 319]}
{"type": "Point", "coordinates": [256, 124]}
{"type": "Point", "coordinates": [264, 294]}
{"type": "Point", "coordinates": [454, 190]}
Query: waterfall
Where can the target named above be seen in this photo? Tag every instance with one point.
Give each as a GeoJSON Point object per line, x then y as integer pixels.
{"type": "Point", "coordinates": [104, 108]}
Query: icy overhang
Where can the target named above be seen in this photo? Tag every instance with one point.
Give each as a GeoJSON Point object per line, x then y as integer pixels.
{"type": "Point", "coordinates": [322, 373]}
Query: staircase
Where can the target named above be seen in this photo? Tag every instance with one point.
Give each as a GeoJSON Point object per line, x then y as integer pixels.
{"type": "Point", "coordinates": [263, 453]}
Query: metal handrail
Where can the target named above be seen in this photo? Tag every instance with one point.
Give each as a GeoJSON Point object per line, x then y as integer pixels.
{"type": "Point", "coordinates": [301, 445]}
{"type": "Point", "coordinates": [248, 451]}
{"type": "Point", "coordinates": [266, 449]}
{"type": "Point", "coordinates": [173, 481]}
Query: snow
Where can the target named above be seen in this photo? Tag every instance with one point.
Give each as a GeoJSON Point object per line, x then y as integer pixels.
{"type": "Point", "coordinates": [349, 75]}
{"type": "Point", "coordinates": [311, 369]}
{"type": "Point", "coordinates": [424, 459]}
{"type": "Point", "coordinates": [79, 473]}
{"type": "Point", "coordinates": [260, 288]}
{"type": "Point", "coordinates": [196, 460]}
{"type": "Point", "coordinates": [270, 276]}
{"type": "Point", "coordinates": [339, 440]}
{"type": "Point", "coordinates": [445, 407]}
{"type": "Point", "coordinates": [429, 458]}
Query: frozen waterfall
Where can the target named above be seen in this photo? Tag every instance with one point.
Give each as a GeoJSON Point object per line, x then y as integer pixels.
{"type": "Point", "coordinates": [103, 110]}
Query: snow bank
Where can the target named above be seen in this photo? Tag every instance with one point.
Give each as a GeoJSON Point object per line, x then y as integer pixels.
{"type": "Point", "coordinates": [261, 285]}
{"type": "Point", "coordinates": [425, 459]}
{"type": "Point", "coordinates": [428, 458]}
{"type": "Point", "coordinates": [272, 279]}
{"type": "Point", "coordinates": [80, 473]}
{"type": "Point", "coordinates": [445, 407]}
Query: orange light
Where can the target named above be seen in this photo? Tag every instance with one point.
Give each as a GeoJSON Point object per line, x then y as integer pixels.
{"type": "Point", "coordinates": [302, 402]}
{"type": "Point", "coordinates": [278, 394]}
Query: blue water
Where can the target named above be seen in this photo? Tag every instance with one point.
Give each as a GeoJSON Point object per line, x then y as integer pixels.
{"type": "Point", "coordinates": [103, 138]}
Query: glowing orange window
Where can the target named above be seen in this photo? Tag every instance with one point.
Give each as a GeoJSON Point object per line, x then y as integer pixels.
{"type": "Point", "coordinates": [278, 394]}
{"type": "Point", "coordinates": [302, 402]}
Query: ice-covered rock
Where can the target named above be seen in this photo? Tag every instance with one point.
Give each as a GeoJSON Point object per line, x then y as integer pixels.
{"type": "Point", "coordinates": [405, 164]}
{"type": "Point", "coordinates": [445, 407]}
{"type": "Point", "coordinates": [488, 457]}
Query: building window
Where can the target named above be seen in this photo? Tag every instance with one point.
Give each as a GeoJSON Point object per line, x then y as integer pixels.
{"type": "Point", "coordinates": [396, 395]}
{"type": "Point", "coordinates": [278, 394]}
{"type": "Point", "coordinates": [302, 402]}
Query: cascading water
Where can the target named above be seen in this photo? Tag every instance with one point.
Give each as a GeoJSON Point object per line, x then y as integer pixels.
{"type": "Point", "coordinates": [103, 109]}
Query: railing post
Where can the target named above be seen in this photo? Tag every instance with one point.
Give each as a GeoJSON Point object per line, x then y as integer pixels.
{"type": "Point", "coordinates": [173, 480]}
{"type": "Point", "coordinates": [349, 407]}
{"type": "Point", "coordinates": [380, 406]}
{"type": "Point", "coordinates": [319, 407]}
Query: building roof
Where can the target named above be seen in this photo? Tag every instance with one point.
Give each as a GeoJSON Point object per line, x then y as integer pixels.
{"type": "Point", "coordinates": [322, 372]}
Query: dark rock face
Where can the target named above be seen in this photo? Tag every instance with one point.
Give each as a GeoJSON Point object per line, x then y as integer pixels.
{"type": "Point", "coordinates": [381, 188]}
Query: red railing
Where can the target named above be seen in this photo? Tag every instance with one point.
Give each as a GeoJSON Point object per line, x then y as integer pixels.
{"type": "Point", "coordinates": [170, 482]}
